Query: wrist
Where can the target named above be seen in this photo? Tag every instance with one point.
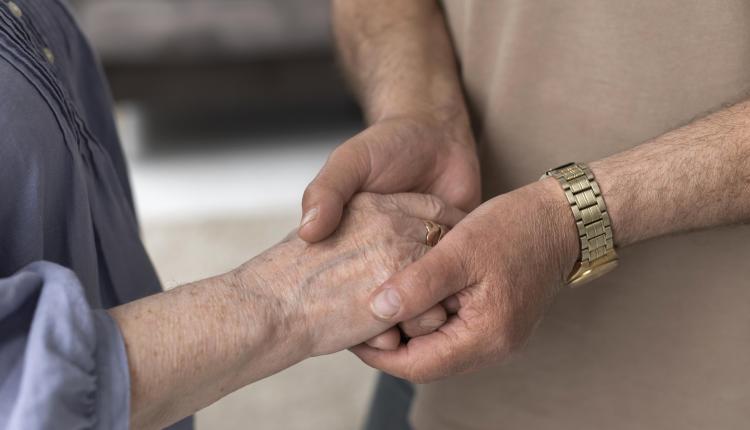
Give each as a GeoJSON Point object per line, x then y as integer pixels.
{"type": "Point", "coordinates": [557, 218]}
{"type": "Point", "coordinates": [413, 106]}
{"type": "Point", "coordinates": [450, 120]}
{"type": "Point", "coordinates": [598, 255]}
{"type": "Point", "coordinates": [264, 295]}
{"type": "Point", "coordinates": [535, 221]}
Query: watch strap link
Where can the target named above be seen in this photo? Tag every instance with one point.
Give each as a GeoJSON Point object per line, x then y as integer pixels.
{"type": "Point", "coordinates": [591, 218]}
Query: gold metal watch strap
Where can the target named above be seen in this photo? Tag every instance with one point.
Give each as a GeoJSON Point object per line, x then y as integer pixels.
{"type": "Point", "coordinates": [592, 220]}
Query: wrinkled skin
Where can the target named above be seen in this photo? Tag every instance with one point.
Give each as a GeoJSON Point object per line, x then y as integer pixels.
{"type": "Point", "coordinates": [424, 153]}
{"type": "Point", "coordinates": [504, 263]}
{"type": "Point", "coordinates": [322, 289]}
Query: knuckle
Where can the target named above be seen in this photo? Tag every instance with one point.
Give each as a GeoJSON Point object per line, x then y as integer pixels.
{"type": "Point", "coordinates": [436, 207]}
{"type": "Point", "coordinates": [393, 225]}
{"type": "Point", "coordinates": [440, 208]}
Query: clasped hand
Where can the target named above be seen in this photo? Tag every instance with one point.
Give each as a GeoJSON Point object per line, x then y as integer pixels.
{"type": "Point", "coordinates": [503, 264]}
{"type": "Point", "coordinates": [428, 313]}
{"type": "Point", "coordinates": [317, 294]}
{"type": "Point", "coordinates": [492, 275]}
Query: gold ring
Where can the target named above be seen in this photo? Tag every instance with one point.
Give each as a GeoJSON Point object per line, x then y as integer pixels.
{"type": "Point", "coordinates": [435, 232]}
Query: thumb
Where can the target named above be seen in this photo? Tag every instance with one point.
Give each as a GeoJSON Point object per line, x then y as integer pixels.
{"type": "Point", "coordinates": [420, 286]}
{"type": "Point", "coordinates": [344, 174]}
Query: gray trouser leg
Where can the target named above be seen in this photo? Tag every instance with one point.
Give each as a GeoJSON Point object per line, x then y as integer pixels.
{"type": "Point", "coordinates": [390, 404]}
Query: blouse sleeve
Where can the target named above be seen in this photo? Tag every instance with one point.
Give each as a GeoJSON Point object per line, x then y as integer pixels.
{"type": "Point", "coordinates": [62, 364]}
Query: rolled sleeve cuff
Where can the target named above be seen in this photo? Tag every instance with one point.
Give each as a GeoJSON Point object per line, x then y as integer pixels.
{"type": "Point", "coordinates": [67, 362]}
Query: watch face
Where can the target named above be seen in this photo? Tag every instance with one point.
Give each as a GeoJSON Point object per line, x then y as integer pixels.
{"type": "Point", "coordinates": [589, 274]}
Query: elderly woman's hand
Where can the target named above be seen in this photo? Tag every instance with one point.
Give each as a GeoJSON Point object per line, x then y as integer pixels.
{"type": "Point", "coordinates": [320, 291]}
{"type": "Point", "coordinates": [194, 344]}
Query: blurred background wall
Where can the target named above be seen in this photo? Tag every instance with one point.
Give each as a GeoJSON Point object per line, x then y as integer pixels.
{"type": "Point", "coordinates": [227, 108]}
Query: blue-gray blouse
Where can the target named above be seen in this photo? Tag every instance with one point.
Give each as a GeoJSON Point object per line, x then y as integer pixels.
{"type": "Point", "coordinates": [69, 243]}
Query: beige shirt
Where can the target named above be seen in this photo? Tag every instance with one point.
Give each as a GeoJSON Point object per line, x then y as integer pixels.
{"type": "Point", "coordinates": [663, 342]}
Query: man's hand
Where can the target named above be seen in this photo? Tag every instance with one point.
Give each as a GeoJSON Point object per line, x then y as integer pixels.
{"type": "Point", "coordinates": [424, 153]}
{"type": "Point", "coordinates": [506, 259]}
{"type": "Point", "coordinates": [504, 262]}
{"type": "Point", "coordinates": [416, 153]}
{"type": "Point", "coordinates": [399, 61]}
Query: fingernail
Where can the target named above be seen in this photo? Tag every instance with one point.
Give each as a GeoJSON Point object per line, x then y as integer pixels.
{"type": "Point", "coordinates": [386, 304]}
{"type": "Point", "coordinates": [431, 324]}
{"type": "Point", "coordinates": [309, 216]}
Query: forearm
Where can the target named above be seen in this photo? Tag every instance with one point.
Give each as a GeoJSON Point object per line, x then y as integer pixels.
{"type": "Point", "coordinates": [195, 344]}
{"type": "Point", "coordinates": [188, 347]}
{"type": "Point", "coordinates": [398, 57]}
{"type": "Point", "coordinates": [695, 177]}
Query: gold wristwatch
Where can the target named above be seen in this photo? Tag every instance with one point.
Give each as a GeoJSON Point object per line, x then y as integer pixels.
{"type": "Point", "coordinates": [598, 254]}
